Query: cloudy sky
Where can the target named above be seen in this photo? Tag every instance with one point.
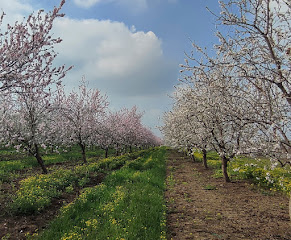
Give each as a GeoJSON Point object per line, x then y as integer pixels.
{"type": "Point", "coordinates": [128, 49]}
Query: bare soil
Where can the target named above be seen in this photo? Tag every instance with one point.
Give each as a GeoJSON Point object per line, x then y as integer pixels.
{"type": "Point", "coordinates": [202, 207]}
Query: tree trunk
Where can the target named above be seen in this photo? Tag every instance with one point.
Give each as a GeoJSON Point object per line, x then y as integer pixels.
{"type": "Point", "coordinates": [83, 147]}
{"type": "Point", "coordinates": [106, 153]}
{"type": "Point", "coordinates": [130, 149]}
{"type": "Point", "coordinates": [224, 168]}
{"type": "Point", "coordinates": [116, 150]}
{"type": "Point", "coordinates": [190, 153]}
{"type": "Point", "coordinates": [204, 158]}
{"type": "Point", "coordinates": [192, 157]}
{"type": "Point", "coordinates": [39, 159]}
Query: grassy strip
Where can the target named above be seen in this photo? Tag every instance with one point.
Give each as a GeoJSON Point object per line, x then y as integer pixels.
{"type": "Point", "coordinates": [128, 205]}
{"type": "Point", "coordinates": [8, 168]}
{"type": "Point", "coordinates": [36, 192]}
{"type": "Point", "coordinates": [16, 162]}
{"type": "Point", "coordinates": [258, 170]}
{"type": "Point", "coordinates": [277, 179]}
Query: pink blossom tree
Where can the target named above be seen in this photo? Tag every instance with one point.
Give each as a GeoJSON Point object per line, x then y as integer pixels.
{"type": "Point", "coordinates": [26, 124]}
{"type": "Point", "coordinates": [81, 115]}
{"type": "Point", "coordinates": [27, 76]}
{"type": "Point", "coordinates": [109, 135]}
{"type": "Point", "coordinates": [146, 138]}
{"type": "Point", "coordinates": [123, 129]}
{"type": "Point", "coordinates": [27, 52]}
{"type": "Point", "coordinates": [132, 126]}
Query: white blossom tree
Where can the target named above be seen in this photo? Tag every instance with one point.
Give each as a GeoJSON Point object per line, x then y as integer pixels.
{"type": "Point", "coordinates": [196, 132]}
{"type": "Point", "coordinates": [244, 87]}
{"type": "Point", "coordinates": [257, 47]}
{"type": "Point", "coordinates": [216, 115]}
{"type": "Point", "coordinates": [254, 58]}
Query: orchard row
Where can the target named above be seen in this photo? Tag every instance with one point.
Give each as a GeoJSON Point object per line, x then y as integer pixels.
{"type": "Point", "coordinates": [36, 112]}
{"type": "Point", "coordinates": [34, 120]}
{"type": "Point", "coordinates": [236, 99]}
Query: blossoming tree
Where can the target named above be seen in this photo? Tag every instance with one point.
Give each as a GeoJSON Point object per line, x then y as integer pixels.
{"type": "Point", "coordinates": [26, 78]}
{"type": "Point", "coordinates": [257, 48]}
{"type": "Point", "coordinates": [27, 51]}
{"type": "Point", "coordinates": [80, 115]}
{"type": "Point", "coordinates": [26, 124]}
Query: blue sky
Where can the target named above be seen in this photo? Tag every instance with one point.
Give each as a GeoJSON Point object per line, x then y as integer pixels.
{"type": "Point", "coordinates": [128, 49]}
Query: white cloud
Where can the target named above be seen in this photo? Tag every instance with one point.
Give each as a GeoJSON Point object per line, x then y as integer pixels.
{"type": "Point", "coordinates": [14, 6]}
{"type": "Point", "coordinates": [113, 57]}
{"type": "Point", "coordinates": [14, 10]}
{"type": "Point", "coordinates": [136, 5]}
{"type": "Point", "coordinates": [133, 29]}
{"type": "Point", "coordinates": [128, 66]}
{"type": "Point", "coordinates": [86, 3]}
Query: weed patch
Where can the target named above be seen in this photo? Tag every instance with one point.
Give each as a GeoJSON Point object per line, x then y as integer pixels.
{"type": "Point", "coordinates": [129, 204]}
{"type": "Point", "coordinates": [36, 192]}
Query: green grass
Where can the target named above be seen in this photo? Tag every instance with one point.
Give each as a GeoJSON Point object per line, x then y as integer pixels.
{"type": "Point", "coordinates": [209, 187]}
{"type": "Point", "coordinates": [129, 205]}
{"type": "Point", "coordinates": [36, 192]}
{"type": "Point", "coordinates": [259, 171]}
{"type": "Point", "coordinates": [211, 156]}
{"type": "Point", "coordinates": [9, 166]}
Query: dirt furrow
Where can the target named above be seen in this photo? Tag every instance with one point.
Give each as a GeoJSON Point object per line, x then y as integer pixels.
{"type": "Point", "coordinates": [202, 207]}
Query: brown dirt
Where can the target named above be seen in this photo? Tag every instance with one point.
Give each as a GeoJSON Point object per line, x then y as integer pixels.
{"type": "Point", "coordinates": [231, 211]}
{"type": "Point", "coordinates": [18, 226]}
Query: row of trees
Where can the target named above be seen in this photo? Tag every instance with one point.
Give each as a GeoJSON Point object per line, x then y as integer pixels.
{"type": "Point", "coordinates": [36, 113]}
{"type": "Point", "coordinates": [237, 98]}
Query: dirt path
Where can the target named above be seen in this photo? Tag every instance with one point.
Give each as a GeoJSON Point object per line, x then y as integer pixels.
{"type": "Point", "coordinates": [202, 207]}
